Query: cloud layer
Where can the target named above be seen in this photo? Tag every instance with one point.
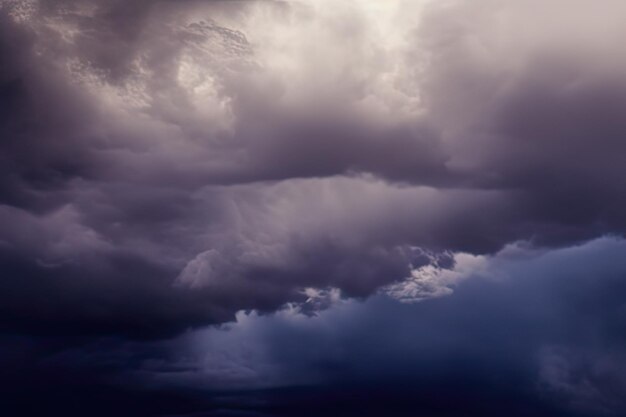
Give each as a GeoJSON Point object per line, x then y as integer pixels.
{"type": "Point", "coordinates": [165, 165]}
{"type": "Point", "coordinates": [260, 147]}
{"type": "Point", "coordinates": [525, 331]}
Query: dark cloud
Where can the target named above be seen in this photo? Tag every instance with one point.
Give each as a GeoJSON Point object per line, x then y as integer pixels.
{"type": "Point", "coordinates": [166, 164]}
{"type": "Point", "coordinates": [525, 332]}
{"type": "Point", "coordinates": [536, 109]}
{"type": "Point", "coordinates": [216, 142]}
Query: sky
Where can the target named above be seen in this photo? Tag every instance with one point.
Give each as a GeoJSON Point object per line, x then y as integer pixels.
{"type": "Point", "coordinates": [294, 208]}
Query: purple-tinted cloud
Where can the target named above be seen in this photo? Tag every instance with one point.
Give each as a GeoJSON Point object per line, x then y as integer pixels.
{"type": "Point", "coordinates": [165, 165]}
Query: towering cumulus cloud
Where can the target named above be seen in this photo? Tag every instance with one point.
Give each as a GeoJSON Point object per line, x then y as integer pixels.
{"type": "Point", "coordinates": [312, 207]}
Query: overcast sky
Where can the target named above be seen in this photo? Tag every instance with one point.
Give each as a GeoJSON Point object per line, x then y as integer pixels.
{"type": "Point", "coordinates": [313, 208]}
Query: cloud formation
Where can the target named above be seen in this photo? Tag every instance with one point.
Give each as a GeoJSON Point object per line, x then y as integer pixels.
{"type": "Point", "coordinates": [165, 165]}
{"type": "Point", "coordinates": [262, 147]}
{"type": "Point", "coordinates": [527, 332]}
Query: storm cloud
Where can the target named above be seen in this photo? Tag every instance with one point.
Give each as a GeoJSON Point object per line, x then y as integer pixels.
{"type": "Point", "coordinates": [166, 165]}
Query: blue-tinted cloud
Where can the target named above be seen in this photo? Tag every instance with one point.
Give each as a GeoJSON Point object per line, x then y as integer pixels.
{"type": "Point", "coordinates": [529, 328]}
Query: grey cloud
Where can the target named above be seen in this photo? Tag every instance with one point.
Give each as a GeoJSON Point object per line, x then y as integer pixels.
{"type": "Point", "coordinates": [236, 152]}
{"type": "Point", "coordinates": [526, 102]}
{"type": "Point", "coordinates": [531, 332]}
{"type": "Point", "coordinates": [172, 165]}
{"type": "Point", "coordinates": [536, 330]}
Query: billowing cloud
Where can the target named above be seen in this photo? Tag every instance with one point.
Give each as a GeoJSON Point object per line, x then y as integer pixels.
{"type": "Point", "coordinates": [165, 165]}
{"type": "Point", "coordinates": [537, 326]}
{"type": "Point", "coordinates": [523, 331]}
{"type": "Point", "coordinates": [264, 147]}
